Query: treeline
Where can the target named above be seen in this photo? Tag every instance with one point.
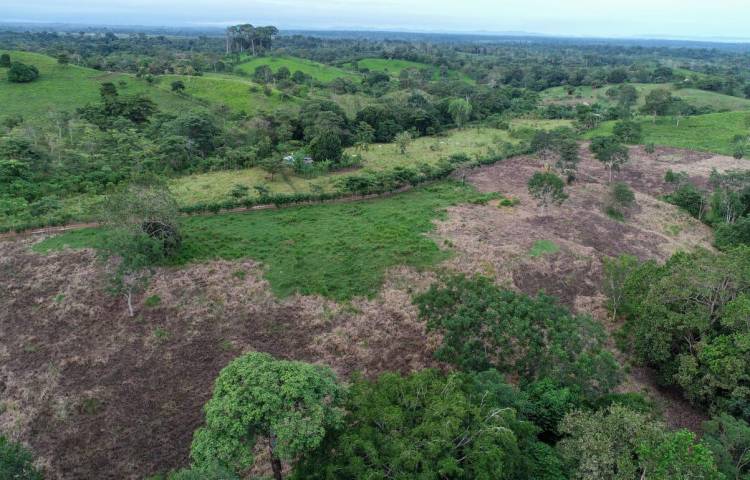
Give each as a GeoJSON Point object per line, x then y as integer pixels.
{"type": "Point", "coordinates": [559, 419]}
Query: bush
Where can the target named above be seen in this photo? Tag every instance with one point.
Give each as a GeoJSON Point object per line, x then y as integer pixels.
{"type": "Point", "coordinates": [22, 73]}
{"type": "Point", "coordinates": [4, 60]}
{"type": "Point", "coordinates": [622, 194]}
{"type": "Point", "coordinates": [730, 235]}
{"type": "Point", "coordinates": [16, 462]}
{"type": "Point", "coordinates": [628, 131]}
{"type": "Point", "coordinates": [484, 326]}
{"type": "Point", "coordinates": [689, 198]}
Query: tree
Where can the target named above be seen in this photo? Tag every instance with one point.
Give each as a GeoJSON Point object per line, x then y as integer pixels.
{"type": "Point", "coordinates": [658, 102]}
{"type": "Point", "coordinates": [745, 90]}
{"type": "Point", "coordinates": [4, 60]}
{"type": "Point", "coordinates": [291, 405]}
{"type": "Point", "coordinates": [178, 86]}
{"type": "Point", "coordinates": [688, 319]}
{"type": "Point", "coordinates": [63, 59]}
{"type": "Point", "coordinates": [547, 188]}
{"type": "Point", "coordinates": [283, 73]}
{"type": "Point", "coordinates": [403, 140]}
{"type": "Point", "coordinates": [460, 110]}
{"type": "Point", "coordinates": [432, 427]}
{"type": "Point", "coordinates": [22, 73]}
{"type": "Point", "coordinates": [531, 338]}
{"type": "Point", "coordinates": [568, 159]}
{"type": "Point", "coordinates": [364, 135]}
{"type": "Point", "coordinates": [729, 440]}
{"type": "Point", "coordinates": [142, 229]}
{"type": "Point", "coordinates": [616, 273]}
{"type": "Point", "coordinates": [619, 444]}
{"type": "Point", "coordinates": [628, 131]}
{"type": "Point", "coordinates": [16, 462]}
{"type": "Point", "coordinates": [273, 164]}
{"type": "Point", "coordinates": [610, 152]}
{"type": "Point", "coordinates": [326, 146]}
{"type": "Point", "coordinates": [263, 74]}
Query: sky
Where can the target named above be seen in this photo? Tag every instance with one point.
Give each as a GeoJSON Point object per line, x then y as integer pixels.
{"type": "Point", "coordinates": [698, 19]}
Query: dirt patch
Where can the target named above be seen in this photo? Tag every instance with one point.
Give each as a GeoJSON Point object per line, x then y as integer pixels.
{"type": "Point", "coordinates": [575, 238]}
{"type": "Point", "coordinates": [97, 394]}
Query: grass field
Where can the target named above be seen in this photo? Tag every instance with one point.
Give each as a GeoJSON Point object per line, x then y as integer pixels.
{"type": "Point", "coordinates": [215, 186]}
{"type": "Point", "coordinates": [236, 93]}
{"type": "Point", "coordinates": [394, 67]}
{"type": "Point", "coordinates": [698, 98]}
{"type": "Point", "coordinates": [318, 71]}
{"type": "Point", "coordinates": [65, 88]}
{"type": "Point", "coordinates": [708, 133]}
{"type": "Point", "coordinates": [336, 250]}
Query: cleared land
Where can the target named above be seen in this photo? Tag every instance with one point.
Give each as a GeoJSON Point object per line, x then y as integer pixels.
{"type": "Point", "coordinates": [234, 92]}
{"type": "Point", "coordinates": [706, 133]}
{"type": "Point", "coordinates": [318, 71]}
{"type": "Point", "coordinates": [695, 97]}
{"type": "Point", "coordinates": [65, 88]}
{"type": "Point", "coordinates": [394, 67]}
{"type": "Point", "coordinates": [77, 370]}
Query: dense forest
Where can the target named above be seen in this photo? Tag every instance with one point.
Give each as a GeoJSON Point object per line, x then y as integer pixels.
{"type": "Point", "coordinates": [159, 140]}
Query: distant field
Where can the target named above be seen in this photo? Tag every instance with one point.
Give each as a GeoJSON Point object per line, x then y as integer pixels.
{"type": "Point", "coordinates": [698, 98]}
{"type": "Point", "coordinates": [394, 67]}
{"type": "Point", "coordinates": [215, 186]}
{"type": "Point", "coordinates": [234, 92]}
{"type": "Point", "coordinates": [708, 133]}
{"type": "Point", "coordinates": [318, 71]}
{"type": "Point", "coordinates": [338, 250]}
{"type": "Point", "coordinates": [65, 88]}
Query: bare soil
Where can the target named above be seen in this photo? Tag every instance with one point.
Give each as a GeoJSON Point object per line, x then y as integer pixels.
{"type": "Point", "coordinates": [97, 394]}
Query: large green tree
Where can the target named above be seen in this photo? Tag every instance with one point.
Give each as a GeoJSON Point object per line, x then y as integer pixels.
{"type": "Point", "coordinates": [619, 444]}
{"type": "Point", "coordinates": [484, 326]}
{"type": "Point", "coordinates": [432, 427]}
{"type": "Point", "coordinates": [288, 405]}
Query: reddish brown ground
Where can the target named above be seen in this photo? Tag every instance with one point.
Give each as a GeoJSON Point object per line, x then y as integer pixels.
{"type": "Point", "coordinates": [97, 394]}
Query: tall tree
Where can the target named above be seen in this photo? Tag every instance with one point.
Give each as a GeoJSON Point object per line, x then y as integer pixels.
{"type": "Point", "coordinates": [290, 405]}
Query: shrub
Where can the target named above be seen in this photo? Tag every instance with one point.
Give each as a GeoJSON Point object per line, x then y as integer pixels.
{"type": "Point", "coordinates": [4, 60]}
{"type": "Point", "coordinates": [628, 131]}
{"type": "Point", "coordinates": [622, 194]}
{"type": "Point", "coordinates": [730, 235]}
{"type": "Point", "coordinates": [22, 73]}
{"type": "Point", "coordinates": [689, 198]}
{"type": "Point", "coordinates": [16, 462]}
{"type": "Point", "coordinates": [484, 326]}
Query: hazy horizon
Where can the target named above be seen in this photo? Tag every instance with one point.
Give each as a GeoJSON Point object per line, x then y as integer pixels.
{"type": "Point", "coordinates": [686, 19]}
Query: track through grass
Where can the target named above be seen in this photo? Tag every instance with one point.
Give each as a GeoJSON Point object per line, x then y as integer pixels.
{"type": "Point", "coordinates": [336, 250]}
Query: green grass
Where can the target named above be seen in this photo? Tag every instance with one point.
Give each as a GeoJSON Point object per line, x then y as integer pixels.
{"type": "Point", "coordinates": [215, 186]}
{"type": "Point", "coordinates": [337, 250]}
{"type": "Point", "coordinates": [65, 88]}
{"type": "Point", "coordinates": [543, 247]}
{"type": "Point", "coordinates": [394, 67]}
{"type": "Point", "coordinates": [318, 71]}
{"type": "Point", "coordinates": [695, 97]}
{"type": "Point", "coordinates": [707, 133]}
{"type": "Point", "coordinates": [234, 92]}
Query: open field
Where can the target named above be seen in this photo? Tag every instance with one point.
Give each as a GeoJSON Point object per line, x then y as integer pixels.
{"type": "Point", "coordinates": [318, 71]}
{"type": "Point", "coordinates": [77, 370]}
{"type": "Point", "coordinates": [695, 97]}
{"type": "Point", "coordinates": [338, 251]}
{"type": "Point", "coordinates": [394, 67]}
{"type": "Point", "coordinates": [238, 94]}
{"type": "Point", "coordinates": [706, 133]}
{"type": "Point", "coordinates": [65, 88]}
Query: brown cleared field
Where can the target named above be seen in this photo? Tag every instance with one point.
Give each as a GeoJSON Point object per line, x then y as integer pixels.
{"type": "Point", "coordinates": [99, 395]}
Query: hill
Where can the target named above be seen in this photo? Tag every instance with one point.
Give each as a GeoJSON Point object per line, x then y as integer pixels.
{"type": "Point", "coordinates": [318, 71]}
{"type": "Point", "coordinates": [695, 97]}
{"type": "Point", "coordinates": [394, 67]}
{"type": "Point", "coordinates": [706, 133]}
{"type": "Point", "coordinates": [65, 88]}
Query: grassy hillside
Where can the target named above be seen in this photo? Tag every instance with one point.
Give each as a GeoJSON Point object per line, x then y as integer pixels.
{"type": "Point", "coordinates": [394, 67]}
{"type": "Point", "coordinates": [215, 186]}
{"type": "Point", "coordinates": [65, 88]}
{"type": "Point", "coordinates": [698, 98]}
{"type": "Point", "coordinates": [318, 71]}
{"type": "Point", "coordinates": [336, 250]}
{"type": "Point", "coordinates": [236, 93]}
{"type": "Point", "coordinates": [708, 133]}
